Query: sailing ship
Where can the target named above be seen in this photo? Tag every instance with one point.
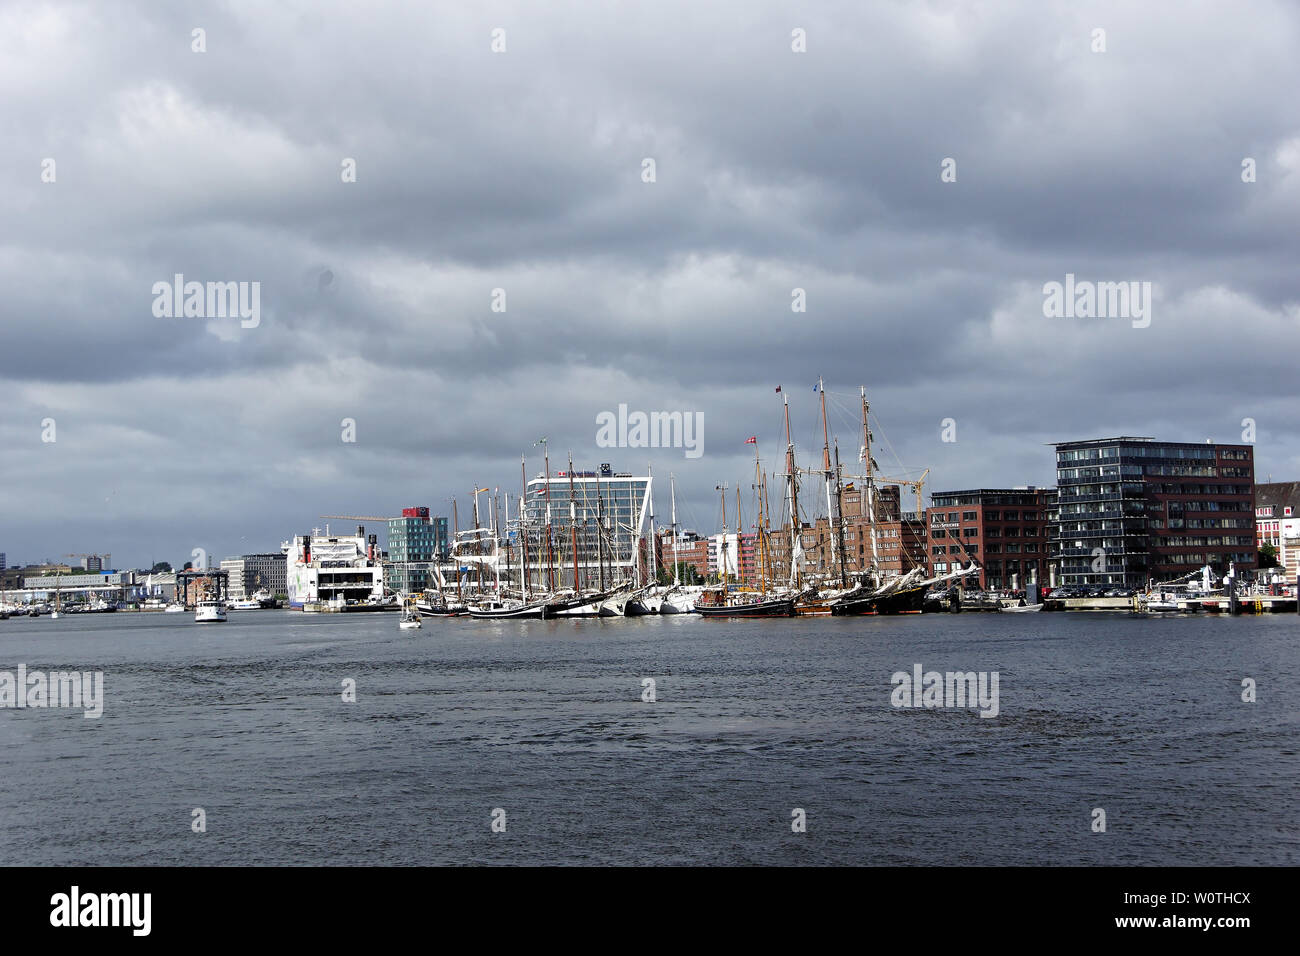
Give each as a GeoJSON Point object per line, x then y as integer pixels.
{"type": "Point", "coordinates": [58, 603]}
{"type": "Point", "coordinates": [410, 619]}
{"type": "Point", "coordinates": [726, 601]}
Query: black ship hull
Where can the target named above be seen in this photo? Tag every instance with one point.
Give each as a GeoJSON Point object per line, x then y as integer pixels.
{"type": "Point", "coordinates": [782, 607]}
{"type": "Point", "coordinates": [909, 601]}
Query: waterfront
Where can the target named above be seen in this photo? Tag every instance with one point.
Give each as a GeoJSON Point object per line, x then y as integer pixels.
{"type": "Point", "coordinates": [1142, 717]}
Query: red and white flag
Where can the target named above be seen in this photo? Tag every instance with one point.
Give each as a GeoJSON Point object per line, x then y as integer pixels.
{"type": "Point", "coordinates": [751, 440]}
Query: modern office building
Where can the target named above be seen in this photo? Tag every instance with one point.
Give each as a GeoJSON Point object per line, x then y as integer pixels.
{"type": "Point", "coordinates": [250, 573]}
{"type": "Point", "coordinates": [618, 502]}
{"type": "Point", "coordinates": [1133, 509]}
{"type": "Point", "coordinates": [1005, 531]}
{"type": "Point", "coordinates": [2, 561]}
{"type": "Point", "coordinates": [415, 540]}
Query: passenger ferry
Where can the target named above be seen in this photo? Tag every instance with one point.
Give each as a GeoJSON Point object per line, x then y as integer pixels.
{"type": "Point", "coordinates": [333, 569]}
{"type": "Point", "coordinates": [209, 611]}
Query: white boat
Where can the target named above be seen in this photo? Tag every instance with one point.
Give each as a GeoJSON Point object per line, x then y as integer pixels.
{"type": "Point", "coordinates": [410, 620]}
{"type": "Point", "coordinates": [330, 572]}
{"type": "Point", "coordinates": [174, 608]}
{"type": "Point", "coordinates": [680, 600]}
{"type": "Point", "coordinates": [248, 604]}
{"type": "Point", "coordinates": [1022, 609]}
{"type": "Point", "coordinates": [209, 612]}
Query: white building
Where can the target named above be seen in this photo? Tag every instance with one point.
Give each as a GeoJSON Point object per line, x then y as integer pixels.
{"type": "Point", "coordinates": [1277, 522]}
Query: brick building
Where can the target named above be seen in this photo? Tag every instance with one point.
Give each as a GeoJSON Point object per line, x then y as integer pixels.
{"type": "Point", "coordinates": [1006, 531]}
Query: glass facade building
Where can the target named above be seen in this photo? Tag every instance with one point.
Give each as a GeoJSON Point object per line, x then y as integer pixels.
{"type": "Point", "coordinates": [622, 500]}
{"type": "Point", "coordinates": [1135, 509]}
{"type": "Point", "coordinates": [415, 537]}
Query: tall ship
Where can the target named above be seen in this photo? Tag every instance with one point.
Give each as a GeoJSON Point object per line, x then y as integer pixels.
{"type": "Point", "coordinates": [333, 570]}
{"type": "Point", "coordinates": [574, 546]}
{"type": "Point", "coordinates": [853, 572]}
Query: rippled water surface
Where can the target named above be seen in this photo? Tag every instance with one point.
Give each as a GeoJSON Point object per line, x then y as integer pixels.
{"type": "Point", "coordinates": [544, 719]}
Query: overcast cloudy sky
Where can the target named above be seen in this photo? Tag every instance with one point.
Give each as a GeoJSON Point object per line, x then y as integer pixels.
{"type": "Point", "coordinates": [522, 170]}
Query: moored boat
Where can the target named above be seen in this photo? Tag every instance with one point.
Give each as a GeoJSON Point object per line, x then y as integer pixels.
{"type": "Point", "coordinates": [773, 607]}
{"type": "Point", "coordinates": [1022, 609]}
{"type": "Point", "coordinates": [501, 609]}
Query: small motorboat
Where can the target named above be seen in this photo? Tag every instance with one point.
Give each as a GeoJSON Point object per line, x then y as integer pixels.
{"type": "Point", "coordinates": [1022, 609]}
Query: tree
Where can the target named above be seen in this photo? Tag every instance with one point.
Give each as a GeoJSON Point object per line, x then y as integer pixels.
{"type": "Point", "coordinates": [161, 567]}
{"type": "Point", "coordinates": [686, 573]}
{"type": "Point", "coordinates": [1267, 556]}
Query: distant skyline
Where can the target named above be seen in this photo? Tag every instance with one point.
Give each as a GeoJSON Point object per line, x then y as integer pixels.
{"type": "Point", "coordinates": [916, 180]}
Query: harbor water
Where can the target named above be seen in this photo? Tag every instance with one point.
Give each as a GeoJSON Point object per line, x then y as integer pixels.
{"type": "Point", "coordinates": [542, 727]}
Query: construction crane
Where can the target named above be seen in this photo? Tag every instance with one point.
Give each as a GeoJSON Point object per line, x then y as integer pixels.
{"type": "Point", "coordinates": [914, 485]}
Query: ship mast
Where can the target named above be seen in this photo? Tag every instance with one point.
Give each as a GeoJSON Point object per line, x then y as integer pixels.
{"type": "Point", "coordinates": [478, 541]}
{"type": "Point", "coordinates": [654, 568]}
{"type": "Point", "coordinates": [827, 474]}
{"type": "Point", "coordinates": [839, 510]}
{"type": "Point", "coordinates": [760, 543]}
{"type": "Point", "coordinates": [510, 550]}
{"type": "Point", "coordinates": [523, 528]}
{"type": "Point", "coordinates": [573, 524]}
{"type": "Point", "coordinates": [600, 533]}
{"type": "Point", "coordinates": [672, 485]}
{"type": "Point", "coordinates": [792, 493]}
{"type": "Point", "coordinates": [740, 551]}
{"type": "Point", "coordinates": [550, 548]}
{"type": "Point", "coordinates": [868, 490]}
{"type": "Point", "coordinates": [455, 549]}
{"type": "Point", "coordinates": [722, 544]}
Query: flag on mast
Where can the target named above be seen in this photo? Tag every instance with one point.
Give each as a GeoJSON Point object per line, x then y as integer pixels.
{"type": "Point", "coordinates": [778, 388]}
{"type": "Point", "coordinates": [751, 440]}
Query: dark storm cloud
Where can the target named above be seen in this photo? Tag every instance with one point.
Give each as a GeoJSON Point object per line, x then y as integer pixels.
{"type": "Point", "coordinates": [522, 171]}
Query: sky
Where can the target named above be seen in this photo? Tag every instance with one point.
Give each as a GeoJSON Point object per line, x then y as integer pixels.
{"type": "Point", "coordinates": [921, 171]}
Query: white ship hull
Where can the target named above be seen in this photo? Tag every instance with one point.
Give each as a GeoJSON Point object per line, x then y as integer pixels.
{"type": "Point", "coordinates": [209, 612]}
{"type": "Point", "coordinates": [332, 570]}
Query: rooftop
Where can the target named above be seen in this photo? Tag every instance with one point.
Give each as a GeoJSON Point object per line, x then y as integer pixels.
{"type": "Point", "coordinates": [1277, 494]}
